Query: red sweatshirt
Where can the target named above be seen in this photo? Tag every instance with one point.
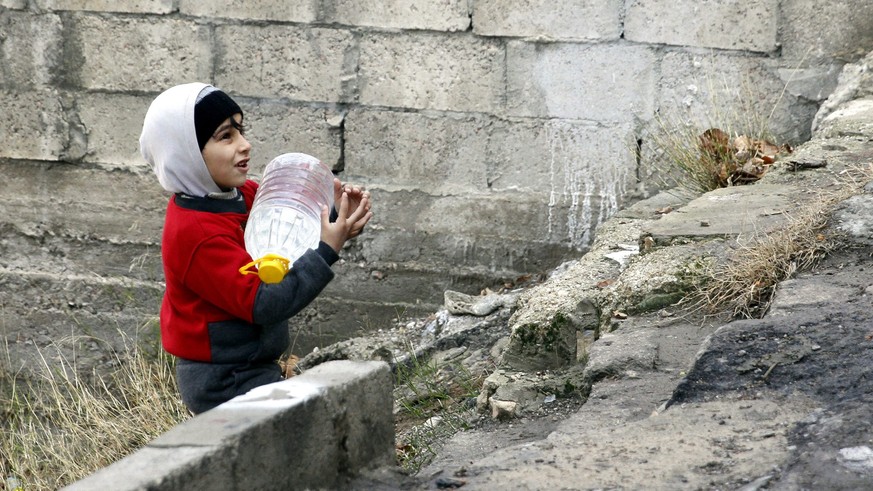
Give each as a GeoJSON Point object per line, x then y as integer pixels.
{"type": "Point", "coordinates": [213, 313]}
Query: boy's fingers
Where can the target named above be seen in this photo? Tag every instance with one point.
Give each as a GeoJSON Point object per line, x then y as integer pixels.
{"type": "Point", "coordinates": [343, 211]}
{"type": "Point", "coordinates": [359, 211]}
{"type": "Point", "coordinates": [359, 224]}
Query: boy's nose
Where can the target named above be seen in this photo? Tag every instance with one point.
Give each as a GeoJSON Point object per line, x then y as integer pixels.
{"type": "Point", "coordinates": [245, 146]}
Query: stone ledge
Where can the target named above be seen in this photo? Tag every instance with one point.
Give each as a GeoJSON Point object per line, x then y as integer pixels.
{"type": "Point", "coordinates": [311, 431]}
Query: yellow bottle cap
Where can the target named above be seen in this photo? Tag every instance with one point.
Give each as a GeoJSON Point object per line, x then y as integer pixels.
{"type": "Point", "coordinates": [272, 270]}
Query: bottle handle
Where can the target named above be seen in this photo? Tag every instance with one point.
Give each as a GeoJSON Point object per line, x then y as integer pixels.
{"type": "Point", "coordinates": [271, 268]}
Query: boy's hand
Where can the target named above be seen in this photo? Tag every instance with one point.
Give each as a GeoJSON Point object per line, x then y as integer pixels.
{"type": "Point", "coordinates": [356, 194]}
{"type": "Point", "coordinates": [347, 225]}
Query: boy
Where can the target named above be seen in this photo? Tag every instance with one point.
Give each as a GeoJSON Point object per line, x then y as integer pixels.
{"type": "Point", "coordinates": [226, 329]}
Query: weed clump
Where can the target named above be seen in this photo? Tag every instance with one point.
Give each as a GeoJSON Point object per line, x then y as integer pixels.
{"type": "Point", "coordinates": [62, 425]}
{"type": "Point", "coordinates": [431, 403]}
{"type": "Point", "coordinates": [714, 158]}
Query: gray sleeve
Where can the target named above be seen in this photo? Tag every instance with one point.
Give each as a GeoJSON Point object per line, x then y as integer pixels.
{"type": "Point", "coordinates": [308, 276]}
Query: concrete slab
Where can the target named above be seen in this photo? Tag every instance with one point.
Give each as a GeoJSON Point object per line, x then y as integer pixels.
{"type": "Point", "coordinates": [728, 212]}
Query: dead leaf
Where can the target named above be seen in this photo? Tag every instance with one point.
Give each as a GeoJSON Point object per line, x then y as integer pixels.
{"type": "Point", "coordinates": [738, 160]}
{"type": "Point", "coordinates": [714, 142]}
{"type": "Point", "coordinates": [288, 365]}
{"type": "Point", "coordinates": [743, 144]}
{"type": "Point", "coordinates": [664, 210]}
{"type": "Point", "coordinates": [619, 315]}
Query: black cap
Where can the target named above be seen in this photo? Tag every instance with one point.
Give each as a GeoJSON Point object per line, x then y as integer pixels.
{"type": "Point", "coordinates": [210, 112]}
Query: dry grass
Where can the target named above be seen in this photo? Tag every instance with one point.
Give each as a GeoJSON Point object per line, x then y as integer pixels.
{"type": "Point", "coordinates": [701, 159]}
{"type": "Point", "coordinates": [62, 425]}
{"type": "Point", "coordinates": [743, 285]}
{"type": "Point", "coordinates": [676, 140]}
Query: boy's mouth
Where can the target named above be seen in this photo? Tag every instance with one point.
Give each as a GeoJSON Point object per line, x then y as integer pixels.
{"type": "Point", "coordinates": [243, 164]}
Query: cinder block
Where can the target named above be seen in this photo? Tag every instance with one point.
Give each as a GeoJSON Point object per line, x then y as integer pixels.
{"type": "Point", "coordinates": [277, 127]}
{"type": "Point", "coordinates": [562, 19]}
{"type": "Point", "coordinates": [14, 4]}
{"type": "Point", "coordinates": [35, 126]}
{"type": "Point", "coordinates": [39, 249]}
{"type": "Point", "coordinates": [277, 10]}
{"type": "Point", "coordinates": [112, 123]}
{"type": "Point", "coordinates": [727, 91]}
{"type": "Point", "coordinates": [361, 400]}
{"type": "Point", "coordinates": [562, 159]}
{"type": "Point", "coordinates": [294, 62]}
{"type": "Point", "coordinates": [133, 6]}
{"type": "Point", "coordinates": [30, 51]}
{"type": "Point", "coordinates": [455, 153]}
{"type": "Point", "coordinates": [426, 283]}
{"type": "Point", "coordinates": [333, 320]}
{"type": "Point", "coordinates": [723, 24]}
{"type": "Point", "coordinates": [426, 71]}
{"type": "Point", "coordinates": [419, 253]}
{"type": "Point", "coordinates": [449, 15]}
{"type": "Point", "coordinates": [440, 153]}
{"type": "Point", "coordinates": [605, 83]}
{"type": "Point", "coordinates": [814, 32]}
{"type": "Point", "coordinates": [567, 219]}
{"type": "Point", "coordinates": [136, 54]}
{"type": "Point", "coordinates": [73, 201]}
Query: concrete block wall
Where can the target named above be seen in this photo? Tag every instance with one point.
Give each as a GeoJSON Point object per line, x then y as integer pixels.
{"type": "Point", "coordinates": [494, 135]}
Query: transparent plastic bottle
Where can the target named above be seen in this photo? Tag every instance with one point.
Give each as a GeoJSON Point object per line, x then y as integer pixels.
{"type": "Point", "coordinates": [285, 219]}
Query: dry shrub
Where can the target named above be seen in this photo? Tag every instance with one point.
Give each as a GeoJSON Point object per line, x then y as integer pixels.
{"type": "Point", "coordinates": [701, 160]}
{"type": "Point", "coordinates": [730, 143]}
{"type": "Point", "coordinates": [62, 425]}
{"type": "Point", "coordinates": [744, 284]}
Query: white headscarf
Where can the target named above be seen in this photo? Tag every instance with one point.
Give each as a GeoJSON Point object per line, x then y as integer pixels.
{"type": "Point", "coordinates": [169, 141]}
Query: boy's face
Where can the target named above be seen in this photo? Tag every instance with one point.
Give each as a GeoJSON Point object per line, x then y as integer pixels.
{"type": "Point", "coordinates": [227, 154]}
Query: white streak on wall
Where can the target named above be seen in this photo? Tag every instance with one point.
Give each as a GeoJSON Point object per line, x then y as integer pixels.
{"type": "Point", "coordinates": [585, 191]}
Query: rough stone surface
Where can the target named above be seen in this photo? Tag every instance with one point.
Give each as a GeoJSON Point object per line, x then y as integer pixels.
{"type": "Point", "coordinates": [303, 129]}
{"type": "Point", "coordinates": [122, 6]}
{"type": "Point", "coordinates": [854, 83]}
{"type": "Point", "coordinates": [450, 15]}
{"type": "Point", "coordinates": [569, 80]}
{"type": "Point", "coordinates": [564, 20]}
{"type": "Point", "coordinates": [26, 136]}
{"type": "Point", "coordinates": [468, 110]}
{"type": "Point", "coordinates": [554, 128]}
{"type": "Point", "coordinates": [317, 71]}
{"type": "Point", "coordinates": [97, 41]}
{"type": "Point", "coordinates": [31, 49]}
{"type": "Point", "coordinates": [719, 24]}
{"type": "Point", "coordinates": [804, 20]}
{"type": "Point", "coordinates": [461, 73]}
{"type": "Point", "coordinates": [112, 124]}
{"type": "Point", "coordinates": [274, 10]}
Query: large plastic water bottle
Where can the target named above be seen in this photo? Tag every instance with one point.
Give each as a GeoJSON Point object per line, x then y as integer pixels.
{"type": "Point", "coordinates": [285, 219]}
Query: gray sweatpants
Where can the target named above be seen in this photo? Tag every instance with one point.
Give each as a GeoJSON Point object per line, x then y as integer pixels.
{"type": "Point", "coordinates": [206, 385]}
